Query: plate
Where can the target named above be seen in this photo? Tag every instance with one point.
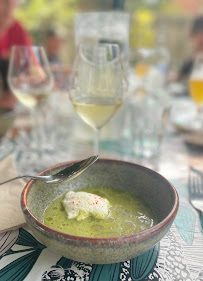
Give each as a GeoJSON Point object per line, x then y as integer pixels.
{"type": "Point", "coordinates": [194, 139]}
{"type": "Point", "coordinates": [183, 115]}
{"type": "Point", "coordinates": [188, 125]}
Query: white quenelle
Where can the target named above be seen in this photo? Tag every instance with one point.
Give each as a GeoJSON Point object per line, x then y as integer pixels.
{"type": "Point", "coordinates": [80, 205]}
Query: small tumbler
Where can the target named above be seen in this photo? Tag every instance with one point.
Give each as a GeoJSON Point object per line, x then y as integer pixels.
{"type": "Point", "coordinates": [148, 122]}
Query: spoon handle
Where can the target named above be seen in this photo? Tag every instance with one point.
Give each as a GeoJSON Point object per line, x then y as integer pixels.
{"type": "Point", "coordinates": [20, 177]}
{"type": "Point", "coordinates": [68, 173]}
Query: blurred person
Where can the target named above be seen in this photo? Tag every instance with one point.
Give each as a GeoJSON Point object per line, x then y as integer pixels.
{"type": "Point", "coordinates": [53, 43]}
{"type": "Point", "coordinates": [196, 41]}
{"type": "Point", "coordinates": [11, 33]}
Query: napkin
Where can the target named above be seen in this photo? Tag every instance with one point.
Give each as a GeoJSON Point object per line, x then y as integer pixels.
{"type": "Point", "coordinates": [10, 194]}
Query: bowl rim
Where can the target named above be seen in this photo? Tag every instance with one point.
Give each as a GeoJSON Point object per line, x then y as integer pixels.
{"type": "Point", "coordinates": [141, 236]}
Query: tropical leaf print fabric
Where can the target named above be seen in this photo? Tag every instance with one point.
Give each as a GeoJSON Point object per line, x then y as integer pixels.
{"type": "Point", "coordinates": [178, 256]}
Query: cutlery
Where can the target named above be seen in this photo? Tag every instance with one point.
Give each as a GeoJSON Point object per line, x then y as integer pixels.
{"type": "Point", "coordinates": [70, 172]}
{"type": "Point", "coordinates": [196, 171]}
{"type": "Point", "coordinates": [196, 192]}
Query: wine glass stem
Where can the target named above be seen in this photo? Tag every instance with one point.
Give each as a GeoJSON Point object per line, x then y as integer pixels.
{"type": "Point", "coordinates": [96, 142]}
{"type": "Point", "coordinates": [37, 119]}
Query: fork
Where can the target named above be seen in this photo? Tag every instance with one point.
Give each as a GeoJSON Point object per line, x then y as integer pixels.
{"type": "Point", "coordinates": [195, 185]}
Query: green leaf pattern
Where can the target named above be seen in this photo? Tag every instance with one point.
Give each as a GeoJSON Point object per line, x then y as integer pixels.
{"type": "Point", "coordinates": [169, 262]}
{"type": "Point", "coordinates": [20, 268]}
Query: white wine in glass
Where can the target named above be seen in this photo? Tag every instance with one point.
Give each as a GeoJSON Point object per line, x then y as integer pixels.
{"type": "Point", "coordinates": [97, 84]}
{"type": "Point", "coordinates": [31, 81]}
{"type": "Point", "coordinates": [29, 75]}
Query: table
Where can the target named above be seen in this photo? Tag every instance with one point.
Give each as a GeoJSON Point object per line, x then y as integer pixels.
{"type": "Point", "coordinates": [178, 256]}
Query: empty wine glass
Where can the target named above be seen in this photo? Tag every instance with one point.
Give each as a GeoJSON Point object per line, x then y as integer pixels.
{"type": "Point", "coordinates": [97, 85]}
{"type": "Point", "coordinates": [30, 78]}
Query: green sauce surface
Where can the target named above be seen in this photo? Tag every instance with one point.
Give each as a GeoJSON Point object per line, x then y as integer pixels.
{"type": "Point", "coordinates": [127, 215]}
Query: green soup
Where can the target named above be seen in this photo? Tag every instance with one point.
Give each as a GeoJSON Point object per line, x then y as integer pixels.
{"type": "Point", "coordinates": [127, 215]}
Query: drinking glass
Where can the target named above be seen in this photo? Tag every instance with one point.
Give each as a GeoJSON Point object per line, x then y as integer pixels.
{"type": "Point", "coordinates": [97, 84]}
{"type": "Point", "coordinates": [30, 78]}
{"type": "Point", "coordinates": [150, 68]}
{"type": "Point", "coordinates": [196, 86]}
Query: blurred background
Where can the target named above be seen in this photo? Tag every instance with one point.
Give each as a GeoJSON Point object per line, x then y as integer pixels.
{"type": "Point", "coordinates": [152, 22]}
{"type": "Point", "coordinates": [155, 38]}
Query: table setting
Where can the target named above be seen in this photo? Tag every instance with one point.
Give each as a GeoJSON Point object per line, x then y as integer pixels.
{"type": "Point", "coordinates": [140, 151]}
{"type": "Point", "coordinates": [177, 256]}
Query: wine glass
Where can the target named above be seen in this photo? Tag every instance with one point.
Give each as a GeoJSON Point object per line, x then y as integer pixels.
{"type": "Point", "coordinates": [196, 86]}
{"type": "Point", "coordinates": [150, 67]}
{"type": "Point", "coordinates": [30, 78]}
{"type": "Point", "coordinates": [97, 84]}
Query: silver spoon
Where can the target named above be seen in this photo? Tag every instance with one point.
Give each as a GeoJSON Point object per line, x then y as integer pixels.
{"type": "Point", "coordinates": [70, 172]}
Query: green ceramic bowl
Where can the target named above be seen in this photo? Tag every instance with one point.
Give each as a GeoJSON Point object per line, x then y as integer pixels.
{"type": "Point", "coordinates": [154, 190]}
{"type": "Point", "coordinates": [7, 117]}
